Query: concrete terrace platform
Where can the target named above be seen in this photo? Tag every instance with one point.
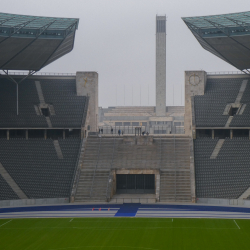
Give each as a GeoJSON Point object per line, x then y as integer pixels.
{"type": "Point", "coordinates": [126, 210]}
{"type": "Point", "coordinates": [132, 136]}
{"type": "Point", "coordinates": [134, 198]}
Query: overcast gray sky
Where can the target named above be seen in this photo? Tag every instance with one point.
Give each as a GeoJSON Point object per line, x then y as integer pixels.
{"type": "Point", "coordinates": [116, 38]}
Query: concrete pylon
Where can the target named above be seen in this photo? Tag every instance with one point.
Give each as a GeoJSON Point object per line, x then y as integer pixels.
{"type": "Point", "coordinates": [87, 85]}
{"type": "Point", "coordinates": [160, 65]}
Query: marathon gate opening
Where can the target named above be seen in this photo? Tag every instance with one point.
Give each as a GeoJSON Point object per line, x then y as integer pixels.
{"type": "Point", "coordinates": [135, 183]}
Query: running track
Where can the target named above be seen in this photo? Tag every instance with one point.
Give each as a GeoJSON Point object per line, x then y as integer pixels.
{"type": "Point", "coordinates": [126, 210]}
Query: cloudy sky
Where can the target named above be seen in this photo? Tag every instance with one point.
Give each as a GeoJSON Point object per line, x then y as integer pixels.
{"type": "Point", "coordinates": [116, 38]}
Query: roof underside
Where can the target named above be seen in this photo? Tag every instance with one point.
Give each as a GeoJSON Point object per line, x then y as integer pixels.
{"type": "Point", "coordinates": [30, 42]}
{"type": "Point", "coordinates": [226, 36]}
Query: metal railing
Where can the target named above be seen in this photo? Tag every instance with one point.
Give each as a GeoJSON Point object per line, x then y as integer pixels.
{"type": "Point", "coordinates": [133, 200]}
{"type": "Point", "coordinates": [226, 73]}
{"type": "Point", "coordinates": [130, 130]}
{"type": "Point", "coordinates": [38, 73]}
{"type": "Point", "coordinates": [110, 178]}
{"type": "Point", "coordinates": [96, 167]}
{"type": "Point", "coordinates": [77, 171]}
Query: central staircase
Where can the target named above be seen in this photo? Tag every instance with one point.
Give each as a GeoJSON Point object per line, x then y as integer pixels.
{"type": "Point", "coordinates": [95, 170]}
{"type": "Point", "coordinates": [170, 155]}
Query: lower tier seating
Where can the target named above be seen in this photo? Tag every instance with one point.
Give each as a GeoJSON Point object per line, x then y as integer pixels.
{"type": "Point", "coordinates": [35, 167]}
{"type": "Point", "coordinates": [227, 176]}
{"type": "Point", "coordinates": [6, 192]}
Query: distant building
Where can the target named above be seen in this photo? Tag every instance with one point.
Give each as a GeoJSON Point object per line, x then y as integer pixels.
{"type": "Point", "coordinates": [127, 118]}
{"type": "Point", "coordinates": [155, 120]}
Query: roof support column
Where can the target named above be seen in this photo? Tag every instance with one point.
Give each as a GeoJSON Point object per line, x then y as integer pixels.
{"type": "Point", "coordinates": [31, 72]}
{"type": "Point", "coordinates": [17, 99]}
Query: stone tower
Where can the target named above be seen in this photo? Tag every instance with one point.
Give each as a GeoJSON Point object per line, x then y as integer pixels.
{"type": "Point", "coordinates": [160, 65]}
{"type": "Point", "coordinates": [87, 85]}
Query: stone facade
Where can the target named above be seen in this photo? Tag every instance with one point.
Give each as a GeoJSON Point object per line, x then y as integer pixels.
{"type": "Point", "coordinates": [195, 84]}
{"type": "Point", "coordinates": [87, 85]}
{"type": "Point", "coordinates": [160, 65]}
{"type": "Point", "coordinates": [127, 118]}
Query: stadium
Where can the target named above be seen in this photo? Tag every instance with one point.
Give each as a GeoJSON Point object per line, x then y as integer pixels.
{"type": "Point", "coordinates": [67, 181]}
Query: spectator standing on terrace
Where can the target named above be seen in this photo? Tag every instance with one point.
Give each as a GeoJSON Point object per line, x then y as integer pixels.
{"type": "Point", "coordinates": [102, 130]}
{"type": "Point", "coordinates": [111, 130]}
{"type": "Point", "coordinates": [122, 132]}
{"type": "Point", "coordinates": [119, 132]}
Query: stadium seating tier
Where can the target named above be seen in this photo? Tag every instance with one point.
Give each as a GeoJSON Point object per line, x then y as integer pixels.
{"type": "Point", "coordinates": [227, 176]}
{"type": "Point", "coordinates": [61, 93]}
{"type": "Point", "coordinates": [35, 167]}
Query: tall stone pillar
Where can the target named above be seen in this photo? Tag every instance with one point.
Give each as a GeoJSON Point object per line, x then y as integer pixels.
{"type": "Point", "coordinates": [195, 84]}
{"type": "Point", "coordinates": [160, 65]}
{"type": "Point", "coordinates": [87, 85]}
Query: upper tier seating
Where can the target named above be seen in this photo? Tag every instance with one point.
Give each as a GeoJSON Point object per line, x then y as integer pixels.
{"type": "Point", "coordinates": [27, 99]}
{"type": "Point", "coordinates": [35, 167]}
{"type": "Point", "coordinates": [227, 176]}
{"type": "Point", "coordinates": [209, 107]}
{"type": "Point", "coordinates": [68, 106]}
{"type": "Point", "coordinates": [244, 119]}
{"type": "Point", "coordinates": [61, 93]}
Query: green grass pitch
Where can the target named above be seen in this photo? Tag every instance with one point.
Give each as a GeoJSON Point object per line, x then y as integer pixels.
{"type": "Point", "coordinates": [124, 233]}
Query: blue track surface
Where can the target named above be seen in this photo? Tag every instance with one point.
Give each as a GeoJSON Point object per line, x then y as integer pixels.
{"type": "Point", "coordinates": [126, 210]}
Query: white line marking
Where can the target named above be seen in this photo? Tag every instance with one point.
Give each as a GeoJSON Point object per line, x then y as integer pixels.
{"type": "Point", "coordinates": [5, 223]}
{"type": "Point", "coordinates": [236, 224]}
{"type": "Point", "coordinates": [106, 247]}
{"type": "Point", "coordinates": [129, 228]}
{"type": "Point", "coordinates": [71, 220]}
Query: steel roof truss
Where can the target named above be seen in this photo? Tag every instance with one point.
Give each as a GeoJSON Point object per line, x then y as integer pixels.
{"type": "Point", "coordinates": [212, 47]}
{"type": "Point", "coordinates": [238, 23]}
{"type": "Point", "coordinates": [6, 20]}
{"type": "Point", "coordinates": [44, 28]}
{"type": "Point", "coordinates": [227, 34]}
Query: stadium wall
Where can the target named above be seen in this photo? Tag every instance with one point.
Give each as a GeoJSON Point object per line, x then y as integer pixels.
{"type": "Point", "coordinates": [30, 202]}
{"type": "Point", "coordinates": [224, 202]}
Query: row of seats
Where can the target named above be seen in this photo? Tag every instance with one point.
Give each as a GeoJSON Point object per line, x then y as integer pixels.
{"type": "Point", "coordinates": [209, 107]}
{"type": "Point", "coordinates": [60, 93]}
{"type": "Point", "coordinates": [227, 176]}
{"type": "Point", "coordinates": [35, 167]}
{"type": "Point", "coordinates": [6, 192]}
